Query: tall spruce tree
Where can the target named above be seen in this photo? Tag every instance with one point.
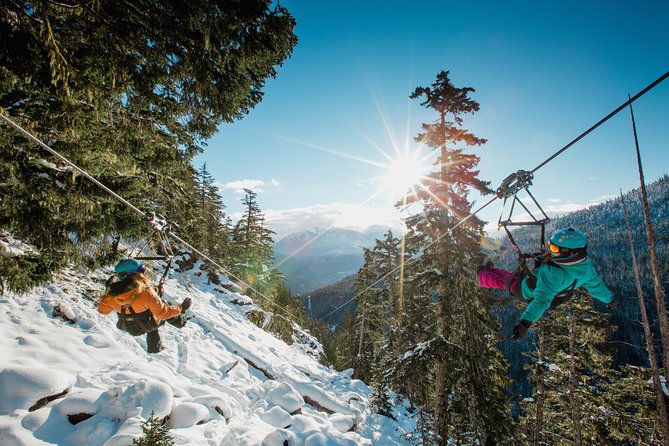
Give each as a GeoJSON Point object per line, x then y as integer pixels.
{"type": "Point", "coordinates": [129, 92]}
{"type": "Point", "coordinates": [252, 247]}
{"type": "Point", "coordinates": [212, 231]}
{"type": "Point", "coordinates": [379, 314]}
{"type": "Point", "coordinates": [373, 313]}
{"type": "Point", "coordinates": [470, 375]}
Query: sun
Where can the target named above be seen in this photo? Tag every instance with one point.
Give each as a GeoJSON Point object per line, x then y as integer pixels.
{"type": "Point", "coordinates": [404, 172]}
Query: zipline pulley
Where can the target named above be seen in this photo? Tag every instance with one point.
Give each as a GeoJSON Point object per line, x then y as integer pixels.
{"type": "Point", "coordinates": [509, 189]}
{"type": "Point", "coordinates": [162, 228]}
{"type": "Point", "coordinates": [515, 182]}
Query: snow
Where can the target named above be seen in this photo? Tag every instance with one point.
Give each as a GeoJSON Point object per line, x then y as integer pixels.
{"type": "Point", "coordinates": [220, 381]}
{"type": "Point", "coordinates": [11, 247]}
{"type": "Point", "coordinates": [663, 384]}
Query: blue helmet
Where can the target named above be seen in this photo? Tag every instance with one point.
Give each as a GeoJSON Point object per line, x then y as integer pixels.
{"type": "Point", "coordinates": [567, 240]}
{"type": "Point", "coordinates": [128, 267]}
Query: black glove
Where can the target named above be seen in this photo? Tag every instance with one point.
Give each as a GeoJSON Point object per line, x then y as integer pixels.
{"type": "Point", "coordinates": [520, 330]}
{"type": "Point", "coordinates": [185, 305]}
{"type": "Point", "coordinates": [613, 304]}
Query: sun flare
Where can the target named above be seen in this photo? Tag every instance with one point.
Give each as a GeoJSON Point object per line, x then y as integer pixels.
{"type": "Point", "coordinates": [404, 172]}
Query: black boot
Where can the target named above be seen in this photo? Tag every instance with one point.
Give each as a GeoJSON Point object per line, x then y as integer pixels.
{"type": "Point", "coordinates": [178, 321]}
{"type": "Point", "coordinates": [153, 342]}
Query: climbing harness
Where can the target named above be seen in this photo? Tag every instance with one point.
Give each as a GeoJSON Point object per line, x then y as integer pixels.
{"type": "Point", "coordinates": [134, 323]}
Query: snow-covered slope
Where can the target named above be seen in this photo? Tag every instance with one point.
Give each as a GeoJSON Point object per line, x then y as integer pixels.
{"type": "Point", "coordinates": [221, 380]}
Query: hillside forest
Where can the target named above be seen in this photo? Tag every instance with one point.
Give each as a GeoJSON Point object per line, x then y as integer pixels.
{"type": "Point", "coordinates": [131, 93]}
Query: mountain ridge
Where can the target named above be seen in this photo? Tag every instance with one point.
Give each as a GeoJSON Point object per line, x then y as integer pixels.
{"type": "Point", "coordinates": [313, 259]}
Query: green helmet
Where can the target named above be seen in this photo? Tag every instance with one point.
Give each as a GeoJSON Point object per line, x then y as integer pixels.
{"type": "Point", "coordinates": [128, 267]}
{"type": "Point", "coordinates": [569, 239]}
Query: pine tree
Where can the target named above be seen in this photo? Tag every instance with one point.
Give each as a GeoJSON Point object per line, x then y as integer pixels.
{"type": "Point", "coordinates": [213, 226]}
{"type": "Point", "coordinates": [468, 394]}
{"type": "Point", "coordinates": [379, 315]}
{"type": "Point", "coordinates": [586, 401]}
{"type": "Point", "coordinates": [155, 433]}
{"type": "Point", "coordinates": [252, 245]}
{"type": "Point", "coordinates": [130, 95]}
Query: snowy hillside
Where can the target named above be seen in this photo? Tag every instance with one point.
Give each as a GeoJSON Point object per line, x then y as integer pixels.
{"type": "Point", "coordinates": [220, 381]}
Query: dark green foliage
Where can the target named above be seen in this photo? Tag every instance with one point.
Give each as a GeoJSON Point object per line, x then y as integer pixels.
{"type": "Point", "coordinates": [615, 407]}
{"type": "Point", "coordinates": [381, 402]}
{"type": "Point", "coordinates": [378, 295]}
{"type": "Point", "coordinates": [251, 248]}
{"type": "Point", "coordinates": [424, 433]}
{"type": "Point", "coordinates": [212, 226]}
{"type": "Point", "coordinates": [130, 92]}
{"type": "Point", "coordinates": [155, 433]}
{"type": "Point", "coordinates": [470, 403]}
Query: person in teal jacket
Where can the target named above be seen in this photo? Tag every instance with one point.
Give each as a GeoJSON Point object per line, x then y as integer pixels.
{"type": "Point", "coordinates": [565, 268]}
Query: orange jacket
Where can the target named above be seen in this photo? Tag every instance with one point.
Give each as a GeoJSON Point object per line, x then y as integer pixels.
{"type": "Point", "coordinates": [140, 297]}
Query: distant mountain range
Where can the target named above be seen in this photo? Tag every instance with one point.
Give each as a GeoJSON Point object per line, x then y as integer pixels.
{"type": "Point", "coordinates": [314, 259]}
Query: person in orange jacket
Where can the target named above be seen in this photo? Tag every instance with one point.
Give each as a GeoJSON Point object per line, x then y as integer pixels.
{"type": "Point", "coordinates": [139, 308]}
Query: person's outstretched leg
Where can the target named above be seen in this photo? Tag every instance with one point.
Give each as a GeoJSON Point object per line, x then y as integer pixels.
{"type": "Point", "coordinates": [178, 321]}
{"type": "Point", "coordinates": [493, 278]}
{"type": "Point", "coordinates": [153, 343]}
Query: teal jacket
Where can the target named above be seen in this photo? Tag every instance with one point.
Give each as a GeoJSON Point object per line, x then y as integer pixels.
{"type": "Point", "coordinates": [551, 279]}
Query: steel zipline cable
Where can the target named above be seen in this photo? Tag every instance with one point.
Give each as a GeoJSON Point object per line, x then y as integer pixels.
{"type": "Point", "coordinates": [30, 136]}
{"type": "Point", "coordinates": [542, 164]}
{"type": "Point", "coordinates": [4, 117]}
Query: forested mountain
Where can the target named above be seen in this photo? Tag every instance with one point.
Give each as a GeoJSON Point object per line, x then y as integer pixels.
{"type": "Point", "coordinates": [324, 303]}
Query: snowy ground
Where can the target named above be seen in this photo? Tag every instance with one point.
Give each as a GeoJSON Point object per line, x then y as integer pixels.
{"type": "Point", "coordinates": [212, 381]}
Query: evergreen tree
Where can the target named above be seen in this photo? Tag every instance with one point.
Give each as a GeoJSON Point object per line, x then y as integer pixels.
{"type": "Point", "coordinates": [155, 434]}
{"type": "Point", "coordinates": [373, 315]}
{"type": "Point", "coordinates": [130, 94]}
{"type": "Point", "coordinates": [213, 227]}
{"type": "Point", "coordinates": [252, 245]}
{"type": "Point", "coordinates": [413, 373]}
{"type": "Point", "coordinates": [585, 400]}
{"type": "Point", "coordinates": [469, 394]}
{"type": "Point", "coordinates": [378, 294]}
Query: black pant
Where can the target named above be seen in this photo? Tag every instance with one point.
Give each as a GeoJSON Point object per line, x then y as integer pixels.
{"type": "Point", "coordinates": [153, 342]}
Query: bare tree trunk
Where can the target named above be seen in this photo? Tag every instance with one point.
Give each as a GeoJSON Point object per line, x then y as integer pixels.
{"type": "Point", "coordinates": [440, 397]}
{"type": "Point", "coordinates": [654, 264]}
{"type": "Point", "coordinates": [575, 413]}
{"type": "Point", "coordinates": [541, 388]}
{"type": "Point", "coordinates": [659, 395]}
{"type": "Point", "coordinates": [400, 303]}
{"type": "Point", "coordinates": [440, 391]}
{"type": "Point", "coordinates": [357, 373]}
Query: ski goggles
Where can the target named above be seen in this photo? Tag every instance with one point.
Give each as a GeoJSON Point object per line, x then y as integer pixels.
{"type": "Point", "coordinates": [553, 247]}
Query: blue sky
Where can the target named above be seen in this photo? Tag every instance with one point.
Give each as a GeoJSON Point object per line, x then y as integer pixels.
{"type": "Point", "coordinates": [543, 73]}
